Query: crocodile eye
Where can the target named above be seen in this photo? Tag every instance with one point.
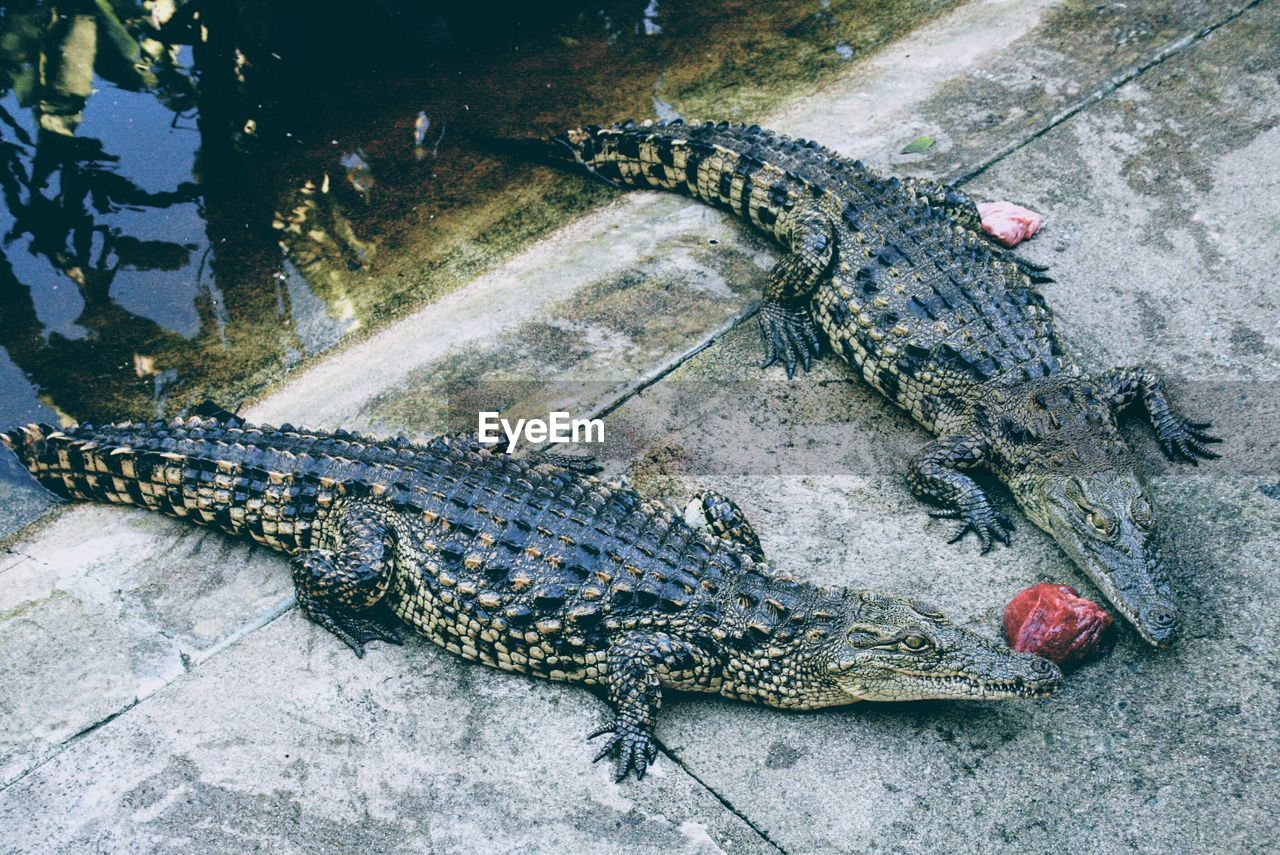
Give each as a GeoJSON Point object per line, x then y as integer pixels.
{"type": "Point", "coordinates": [915, 642]}
{"type": "Point", "coordinates": [1099, 521]}
{"type": "Point", "coordinates": [1140, 510]}
{"type": "Point", "coordinates": [1075, 492]}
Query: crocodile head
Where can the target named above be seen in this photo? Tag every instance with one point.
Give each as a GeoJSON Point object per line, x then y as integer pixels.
{"type": "Point", "coordinates": [895, 649]}
{"type": "Point", "coordinates": [1074, 476]}
{"type": "Point", "coordinates": [1103, 521]}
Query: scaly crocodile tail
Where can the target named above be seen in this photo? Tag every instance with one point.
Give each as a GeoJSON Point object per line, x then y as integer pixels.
{"type": "Point", "coordinates": [28, 443]}
{"type": "Point", "coordinates": [27, 440]}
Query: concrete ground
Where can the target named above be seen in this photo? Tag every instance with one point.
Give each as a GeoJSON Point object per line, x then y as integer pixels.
{"type": "Point", "coordinates": [162, 693]}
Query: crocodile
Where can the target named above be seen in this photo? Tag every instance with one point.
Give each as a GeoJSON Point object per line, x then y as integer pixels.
{"type": "Point", "coordinates": [896, 277]}
{"type": "Point", "coordinates": [530, 566]}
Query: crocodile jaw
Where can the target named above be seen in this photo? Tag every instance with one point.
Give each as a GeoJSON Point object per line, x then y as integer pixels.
{"type": "Point", "coordinates": [906, 685]}
{"type": "Point", "coordinates": [1132, 580]}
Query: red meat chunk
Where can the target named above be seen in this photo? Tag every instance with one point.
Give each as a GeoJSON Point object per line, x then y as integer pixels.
{"type": "Point", "coordinates": [1055, 622]}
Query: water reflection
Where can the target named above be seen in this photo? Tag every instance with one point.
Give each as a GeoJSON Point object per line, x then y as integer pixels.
{"type": "Point", "coordinates": [196, 196]}
{"type": "Point", "coordinates": [125, 206]}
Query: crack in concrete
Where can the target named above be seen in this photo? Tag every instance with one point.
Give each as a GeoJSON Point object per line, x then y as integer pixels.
{"type": "Point", "coordinates": [1172, 49]}
{"type": "Point", "coordinates": [760, 832]}
{"type": "Point", "coordinates": [189, 662]}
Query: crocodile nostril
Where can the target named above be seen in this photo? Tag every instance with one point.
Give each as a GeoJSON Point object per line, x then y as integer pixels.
{"type": "Point", "coordinates": [1160, 617]}
{"type": "Point", "coordinates": [1043, 667]}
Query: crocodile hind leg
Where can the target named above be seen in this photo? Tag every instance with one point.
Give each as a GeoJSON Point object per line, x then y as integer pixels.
{"type": "Point", "coordinates": [786, 325]}
{"type": "Point", "coordinates": [637, 666]}
{"type": "Point", "coordinates": [724, 519]}
{"type": "Point", "coordinates": [340, 584]}
{"type": "Point", "coordinates": [1182, 439]}
{"type": "Point", "coordinates": [936, 474]}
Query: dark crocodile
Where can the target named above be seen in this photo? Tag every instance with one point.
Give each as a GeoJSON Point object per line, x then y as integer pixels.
{"type": "Point", "coordinates": [898, 280]}
{"type": "Point", "coordinates": [528, 566]}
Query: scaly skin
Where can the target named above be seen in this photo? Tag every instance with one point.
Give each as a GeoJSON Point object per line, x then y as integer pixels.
{"type": "Point", "coordinates": [948, 326]}
{"type": "Point", "coordinates": [528, 566]}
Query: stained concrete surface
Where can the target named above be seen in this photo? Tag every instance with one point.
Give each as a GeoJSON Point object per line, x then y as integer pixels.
{"type": "Point", "coordinates": [166, 697]}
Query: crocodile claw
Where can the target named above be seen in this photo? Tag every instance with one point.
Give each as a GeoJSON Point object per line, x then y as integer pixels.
{"type": "Point", "coordinates": [1184, 441]}
{"type": "Point", "coordinates": [353, 630]}
{"type": "Point", "coordinates": [983, 520]}
{"type": "Point", "coordinates": [789, 336]}
{"type": "Point", "coordinates": [632, 745]}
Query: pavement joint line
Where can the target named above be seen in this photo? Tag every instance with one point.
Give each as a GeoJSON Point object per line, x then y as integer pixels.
{"type": "Point", "coordinates": [77, 736]}
{"type": "Point", "coordinates": [22, 556]}
{"type": "Point", "coordinates": [1177, 46]}
{"type": "Point", "coordinates": [189, 662]}
{"type": "Point", "coordinates": [763, 835]}
{"type": "Point", "coordinates": [664, 370]}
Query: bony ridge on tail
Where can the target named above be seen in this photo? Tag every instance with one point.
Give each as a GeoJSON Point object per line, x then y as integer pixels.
{"type": "Point", "coordinates": [528, 566]}
{"type": "Point", "coordinates": [896, 278]}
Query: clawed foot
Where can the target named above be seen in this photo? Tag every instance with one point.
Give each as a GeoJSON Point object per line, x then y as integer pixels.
{"type": "Point", "coordinates": [1184, 441]}
{"type": "Point", "coordinates": [632, 745]}
{"type": "Point", "coordinates": [977, 515]}
{"type": "Point", "coordinates": [354, 630]}
{"type": "Point", "coordinates": [789, 336]}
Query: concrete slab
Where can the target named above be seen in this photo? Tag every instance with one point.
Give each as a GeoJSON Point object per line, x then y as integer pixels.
{"type": "Point", "coordinates": [107, 607]}
{"type": "Point", "coordinates": [981, 89]}
{"type": "Point", "coordinates": [288, 743]}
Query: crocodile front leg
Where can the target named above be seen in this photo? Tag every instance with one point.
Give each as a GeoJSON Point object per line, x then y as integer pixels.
{"type": "Point", "coordinates": [1182, 439]}
{"type": "Point", "coordinates": [786, 326]}
{"type": "Point", "coordinates": [341, 584]}
{"type": "Point", "coordinates": [637, 665]}
{"type": "Point", "coordinates": [724, 519]}
{"type": "Point", "coordinates": [936, 474]}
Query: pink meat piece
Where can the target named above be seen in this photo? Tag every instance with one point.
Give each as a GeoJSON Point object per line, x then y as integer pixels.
{"type": "Point", "coordinates": [1009, 223]}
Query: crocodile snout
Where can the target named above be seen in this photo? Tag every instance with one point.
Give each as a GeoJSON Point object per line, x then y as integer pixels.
{"type": "Point", "coordinates": [1158, 623]}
